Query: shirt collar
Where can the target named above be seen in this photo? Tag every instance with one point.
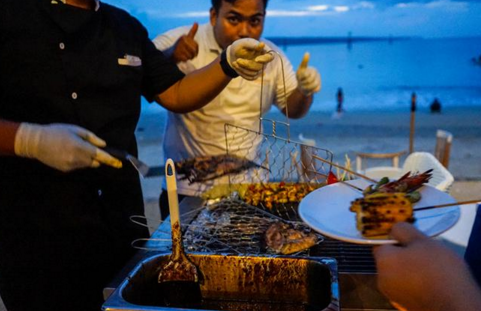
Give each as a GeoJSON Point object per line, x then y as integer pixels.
{"type": "Point", "coordinates": [211, 41]}
{"type": "Point", "coordinates": [97, 3]}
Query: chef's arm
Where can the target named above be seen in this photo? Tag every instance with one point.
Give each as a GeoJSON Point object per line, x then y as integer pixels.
{"type": "Point", "coordinates": [8, 130]}
{"type": "Point", "coordinates": [65, 147]}
{"type": "Point", "coordinates": [195, 90]}
{"type": "Point", "coordinates": [245, 57]}
{"type": "Point", "coordinates": [298, 104]}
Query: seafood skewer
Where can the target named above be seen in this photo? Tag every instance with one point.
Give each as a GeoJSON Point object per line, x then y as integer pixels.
{"type": "Point", "coordinates": [417, 209]}
{"type": "Point", "coordinates": [407, 184]}
{"type": "Point", "coordinates": [387, 203]}
{"type": "Point", "coordinates": [377, 213]}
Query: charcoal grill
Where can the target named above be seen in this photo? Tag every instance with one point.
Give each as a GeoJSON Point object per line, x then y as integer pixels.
{"type": "Point", "coordinates": [251, 283]}
{"type": "Point", "coordinates": [356, 266]}
{"type": "Point", "coordinates": [235, 229]}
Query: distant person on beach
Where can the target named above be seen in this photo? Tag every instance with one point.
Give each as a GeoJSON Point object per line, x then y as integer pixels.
{"type": "Point", "coordinates": [421, 274]}
{"type": "Point", "coordinates": [477, 61]}
{"type": "Point", "coordinates": [340, 100]}
{"type": "Point", "coordinates": [73, 74]}
{"type": "Point", "coordinates": [339, 108]}
{"type": "Point", "coordinates": [201, 133]}
{"type": "Point", "coordinates": [435, 106]}
{"type": "Point", "coordinates": [413, 101]}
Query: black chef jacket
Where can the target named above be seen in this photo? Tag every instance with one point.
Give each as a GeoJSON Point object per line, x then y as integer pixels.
{"type": "Point", "coordinates": [63, 236]}
{"type": "Point", "coordinates": [473, 249]}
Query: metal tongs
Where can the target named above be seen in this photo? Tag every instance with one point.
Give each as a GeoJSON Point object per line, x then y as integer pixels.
{"type": "Point", "coordinates": [140, 166]}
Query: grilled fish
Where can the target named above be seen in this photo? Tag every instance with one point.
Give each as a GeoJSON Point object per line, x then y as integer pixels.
{"type": "Point", "coordinates": [202, 169]}
{"type": "Point", "coordinates": [283, 239]}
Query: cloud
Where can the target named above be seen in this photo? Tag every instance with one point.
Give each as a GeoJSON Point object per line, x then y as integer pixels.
{"type": "Point", "coordinates": [440, 4]}
{"type": "Point", "coordinates": [284, 13]}
{"type": "Point", "coordinates": [447, 4]}
{"type": "Point", "coordinates": [342, 8]}
{"type": "Point", "coordinates": [322, 7]}
{"type": "Point", "coordinates": [193, 14]}
{"type": "Point", "coordinates": [364, 5]}
{"type": "Point", "coordinates": [429, 18]}
{"type": "Point", "coordinates": [326, 8]}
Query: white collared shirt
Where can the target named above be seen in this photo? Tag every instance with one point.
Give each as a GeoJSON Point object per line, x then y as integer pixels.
{"type": "Point", "coordinates": [201, 133]}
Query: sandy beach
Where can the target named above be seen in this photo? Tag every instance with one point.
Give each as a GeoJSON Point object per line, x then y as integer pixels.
{"type": "Point", "coordinates": [379, 131]}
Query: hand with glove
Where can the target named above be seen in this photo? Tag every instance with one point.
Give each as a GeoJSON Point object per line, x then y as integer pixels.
{"type": "Point", "coordinates": [62, 146]}
{"type": "Point", "coordinates": [247, 57]}
{"type": "Point", "coordinates": [308, 78]}
{"type": "Point", "coordinates": [185, 48]}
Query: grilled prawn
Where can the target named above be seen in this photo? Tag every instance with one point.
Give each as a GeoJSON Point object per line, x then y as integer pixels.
{"type": "Point", "coordinates": [406, 184]}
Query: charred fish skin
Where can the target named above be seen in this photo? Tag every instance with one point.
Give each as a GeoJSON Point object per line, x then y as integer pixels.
{"type": "Point", "coordinates": [207, 168]}
{"type": "Point", "coordinates": [283, 239]}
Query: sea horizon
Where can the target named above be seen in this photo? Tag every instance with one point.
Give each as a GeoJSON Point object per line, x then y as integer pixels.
{"type": "Point", "coordinates": [378, 74]}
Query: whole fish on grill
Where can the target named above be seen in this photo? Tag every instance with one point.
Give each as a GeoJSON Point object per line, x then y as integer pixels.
{"type": "Point", "coordinates": [284, 239]}
{"type": "Point", "coordinates": [206, 168]}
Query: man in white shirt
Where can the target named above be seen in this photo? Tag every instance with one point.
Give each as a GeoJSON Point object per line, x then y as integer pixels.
{"type": "Point", "coordinates": [201, 133]}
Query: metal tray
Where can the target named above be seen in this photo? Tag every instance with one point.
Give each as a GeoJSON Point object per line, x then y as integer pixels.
{"type": "Point", "coordinates": [229, 282]}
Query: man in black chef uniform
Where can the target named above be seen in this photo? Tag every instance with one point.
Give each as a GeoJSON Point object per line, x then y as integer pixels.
{"type": "Point", "coordinates": [73, 72]}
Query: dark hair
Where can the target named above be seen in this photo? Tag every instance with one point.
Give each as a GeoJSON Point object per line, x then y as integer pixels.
{"type": "Point", "coordinates": [217, 3]}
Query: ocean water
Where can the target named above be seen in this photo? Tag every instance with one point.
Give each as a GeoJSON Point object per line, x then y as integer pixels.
{"type": "Point", "coordinates": [381, 75]}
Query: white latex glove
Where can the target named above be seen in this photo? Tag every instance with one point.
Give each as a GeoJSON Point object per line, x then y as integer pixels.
{"type": "Point", "coordinates": [247, 57]}
{"type": "Point", "coordinates": [308, 78]}
{"type": "Point", "coordinates": [62, 146]}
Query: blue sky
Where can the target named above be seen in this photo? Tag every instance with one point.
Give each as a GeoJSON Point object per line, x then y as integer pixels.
{"type": "Point", "coordinates": [429, 19]}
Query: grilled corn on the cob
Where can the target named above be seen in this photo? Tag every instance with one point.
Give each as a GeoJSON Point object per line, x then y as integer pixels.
{"type": "Point", "coordinates": [377, 213]}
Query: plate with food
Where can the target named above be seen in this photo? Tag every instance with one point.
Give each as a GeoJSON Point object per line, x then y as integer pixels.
{"type": "Point", "coordinates": [342, 212]}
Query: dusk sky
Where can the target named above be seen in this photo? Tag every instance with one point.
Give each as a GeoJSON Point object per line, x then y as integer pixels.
{"type": "Point", "coordinates": [439, 18]}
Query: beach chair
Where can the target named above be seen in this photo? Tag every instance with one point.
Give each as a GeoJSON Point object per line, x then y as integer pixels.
{"type": "Point", "coordinates": [442, 150]}
{"type": "Point", "coordinates": [417, 162]}
{"type": "Point", "coordinates": [307, 161]}
{"type": "Point", "coordinates": [376, 172]}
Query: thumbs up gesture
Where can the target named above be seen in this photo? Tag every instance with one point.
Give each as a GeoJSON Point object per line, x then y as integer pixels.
{"type": "Point", "coordinates": [186, 47]}
{"type": "Point", "coordinates": [308, 78]}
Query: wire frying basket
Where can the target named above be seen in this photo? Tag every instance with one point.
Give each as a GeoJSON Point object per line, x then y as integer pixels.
{"type": "Point", "coordinates": [237, 224]}
{"type": "Point", "coordinates": [279, 160]}
{"type": "Point", "coordinates": [285, 171]}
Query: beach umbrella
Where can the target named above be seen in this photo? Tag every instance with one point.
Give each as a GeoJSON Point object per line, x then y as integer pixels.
{"type": "Point", "coordinates": [413, 118]}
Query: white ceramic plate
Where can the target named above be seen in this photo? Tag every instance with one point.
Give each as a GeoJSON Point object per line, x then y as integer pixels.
{"type": "Point", "coordinates": [326, 210]}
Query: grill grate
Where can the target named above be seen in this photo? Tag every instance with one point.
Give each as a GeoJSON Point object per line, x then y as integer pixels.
{"type": "Point", "coordinates": [350, 257]}
{"type": "Point", "coordinates": [231, 226]}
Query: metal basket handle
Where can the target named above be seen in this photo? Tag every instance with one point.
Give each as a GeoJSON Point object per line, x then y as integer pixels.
{"type": "Point", "coordinates": [273, 122]}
